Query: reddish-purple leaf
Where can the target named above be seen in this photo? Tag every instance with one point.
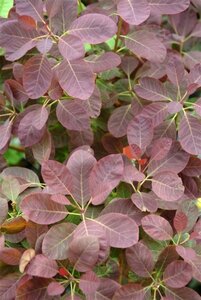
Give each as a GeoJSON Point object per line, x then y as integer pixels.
{"type": "Point", "coordinates": [169, 7]}
{"type": "Point", "coordinates": [130, 172]}
{"type": "Point", "coordinates": [71, 47]}
{"type": "Point", "coordinates": [33, 231]}
{"type": "Point", "coordinates": [17, 91]}
{"type": "Point", "coordinates": [119, 120]}
{"type": "Point", "coordinates": [177, 274]}
{"type": "Point", "coordinates": [72, 115]}
{"type": "Point", "coordinates": [140, 260]}
{"type": "Point", "coordinates": [197, 106]}
{"type": "Point", "coordinates": [132, 291]}
{"type": "Point", "coordinates": [80, 165]}
{"type": "Point", "coordinates": [174, 107]}
{"type": "Point", "coordinates": [32, 8]}
{"type": "Point", "coordinates": [133, 12]}
{"type": "Point", "coordinates": [145, 44]}
{"type": "Point", "coordinates": [189, 134]}
{"type": "Point", "coordinates": [103, 62]}
{"type": "Point", "coordinates": [55, 289]}
{"type": "Point", "coordinates": [106, 289]}
{"type": "Point", "coordinates": [39, 208]}
{"type": "Point", "coordinates": [175, 71]}
{"type": "Point", "coordinates": [57, 240]}
{"type": "Point", "coordinates": [175, 161]}
{"type": "Point", "coordinates": [151, 89]}
{"type": "Point", "coordinates": [121, 230]}
{"type": "Point", "coordinates": [27, 131]}
{"type": "Point", "coordinates": [76, 78]}
{"type": "Point", "coordinates": [129, 64]}
{"type": "Point", "coordinates": [157, 112]}
{"type": "Point", "coordinates": [8, 285]}
{"type": "Point", "coordinates": [184, 293]}
{"type": "Point", "coordinates": [3, 209]}
{"type": "Point", "coordinates": [42, 266]}
{"type": "Point", "coordinates": [167, 186]}
{"type": "Point", "coordinates": [125, 207]}
{"type": "Point", "coordinates": [83, 253]}
{"type": "Point", "coordinates": [10, 256]}
{"type": "Point", "coordinates": [89, 283]}
{"type": "Point", "coordinates": [145, 201]}
{"type": "Point", "coordinates": [93, 28]}
{"type": "Point", "coordinates": [37, 76]}
{"type": "Point", "coordinates": [42, 150]}
{"type": "Point", "coordinates": [193, 168]}
{"type": "Point", "coordinates": [57, 177]}
{"type": "Point", "coordinates": [93, 104]}
{"type": "Point", "coordinates": [35, 288]}
{"type": "Point", "coordinates": [58, 198]}
{"type": "Point", "coordinates": [157, 227]}
{"type": "Point", "coordinates": [105, 176]}
{"type": "Point", "coordinates": [16, 39]}
{"type": "Point", "coordinates": [194, 77]}
{"type": "Point", "coordinates": [160, 148]}
{"type": "Point", "coordinates": [140, 132]}
{"type": "Point", "coordinates": [180, 221]}
{"type": "Point", "coordinates": [44, 45]}
{"type": "Point", "coordinates": [5, 133]}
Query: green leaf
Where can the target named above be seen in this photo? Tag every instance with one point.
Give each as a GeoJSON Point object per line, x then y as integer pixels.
{"type": "Point", "coordinates": [5, 6]}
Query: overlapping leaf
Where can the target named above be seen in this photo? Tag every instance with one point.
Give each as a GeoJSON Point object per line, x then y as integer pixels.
{"type": "Point", "coordinates": [133, 11]}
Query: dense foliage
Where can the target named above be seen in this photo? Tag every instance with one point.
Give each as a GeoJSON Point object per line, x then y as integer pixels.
{"type": "Point", "coordinates": [100, 150]}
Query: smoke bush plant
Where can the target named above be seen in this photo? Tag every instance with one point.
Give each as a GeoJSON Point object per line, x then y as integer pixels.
{"type": "Point", "coordinates": [104, 103]}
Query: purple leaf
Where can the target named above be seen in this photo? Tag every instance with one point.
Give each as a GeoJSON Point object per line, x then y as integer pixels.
{"type": "Point", "coordinates": [89, 283]}
{"type": "Point", "coordinates": [197, 106]}
{"type": "Point", "coordinates": [151, 89]}
{"type": "Point", "coordinates": [140, 132]}
{"type": "Point", "coordinates": [168, 7]}
{"type": "Point", "coordinates": [44, 45]}
{"type": "Point", "coordinates": [184, 293]}
{"type": "Point", "coordinates": [157, 227]}
{"type": "Point", "coordinates": [177, 274]}
{"type": "Point", "coordinates": [157, 112]}
{"type": "Point", "coordinates": [37, 76]}
{"type": "Point", "coordinates": [40, 209]}
{"type": "Point", "coordinates": [105, 176]}
{"type": "Point", "coordinates": [72, 115]}
{"type": "Point", "coordinates": [57, 240]}
{"type": "Point", "coordinates": [180, 221]}
{"type": "Point", "coordinates": [194, 77]}
{"type": "Point", "coordinates": [42, 150]}
{"type": "Point", "coordinates": [119, 120]}
{"type": "Point", "coordinates": [160, 148]}
{"type": "Point", "coordinates": [125, 207]}
{"type": "Point", "coordinates": [129, 64]}
{"type": "Point", "coordinates": [131, 291]}
{"type": "Point", "coordinates": [106, 289]}
{"type": "Point", "coordinates": [175, 71]}
{"type": "Point", "coordinates": [36, 287]}
{"type": "Point", "coordinates": [193, 168]}
{"type": "Point", "coordinates": [8, 285]}
{"type": "Point", "coordinates": [174, 107]}
{"type": "Point", "coordinates": [167, 186]}
{"type": "Point", "coordinates": [140, 260]}
{"type": "Point", "coordinates": [145, 44]}
{"type": "Point", "coordinates": [93, 28]}
{"type": "Point", "coordinates": [175, 161]}
{"type": "Point", "coordinates": [57, 177]}
{"type": "Point", "coordinates": [10, 188]}
{"type": "Point", "coordinates": [71, 47]}
{"type": "Point", "coordinates": [121, 231]}
{"type": "Point", "coordinates": [55, 289]}
{"type": "Point", "coordinates": [83, 253]}
{"type": "Point", "coordinates": [10, 256]}
{"type": "Point", "coordinates": [130, 172]}
{"type": "Point", "coordinates": [76, 78]}
{"type": "Point", "coordinates": [80, 165]}
{"type": "Point", "coordinates": [189, 134]}
{"type": "Point", "coordinates": [17, 39]}
{"type": "Point", "coordinates": [104, 62]}
{"type": "Point", "coordinates": [18, 94]}
{"type": "Point", "coordinates": [145, 201]}
{"type": "Point", "coordinates": [42, 266]}
{"type": "Point", "coordinates": [133, 11]}
{"type": "Point", "coordinates": [58, 198]}
{"type": "Point", "coordinates": [32, 8]}
{"type": "Point", "coordinates": [5, 133]}
{"type": "Point", "coordinates": [3, 210]}
{"type": "Point", "coordinates": [93, 104]}
{"type": "Point", "coordinates": [33, 231]}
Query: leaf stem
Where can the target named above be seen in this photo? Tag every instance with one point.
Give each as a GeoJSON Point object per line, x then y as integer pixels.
{"type": "Point", "coordinates": [120, 22]}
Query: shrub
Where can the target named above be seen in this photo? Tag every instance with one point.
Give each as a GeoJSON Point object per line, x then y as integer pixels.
{"type": "Point", "coordinates": [100, 150]}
